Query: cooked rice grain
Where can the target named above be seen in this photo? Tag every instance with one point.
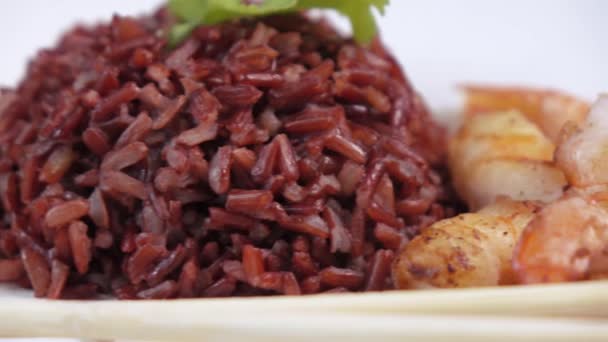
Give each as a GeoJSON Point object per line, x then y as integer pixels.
{"type": "Point", "coordinates": [258, 157]}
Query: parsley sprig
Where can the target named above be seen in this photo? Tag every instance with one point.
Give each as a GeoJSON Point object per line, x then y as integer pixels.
{"type": "Point", "coordinates": [196, 12]}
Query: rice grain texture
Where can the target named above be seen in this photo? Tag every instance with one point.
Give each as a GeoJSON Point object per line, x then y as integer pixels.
{"type": "Point", "coordinates": [267, 156]}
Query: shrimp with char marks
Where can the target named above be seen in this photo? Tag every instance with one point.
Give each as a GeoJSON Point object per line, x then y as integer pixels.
{"type": "Point", "coordinates": [503, 154]}
{"type": "Point", "coordinates": [548, 109]}
{"type": "Point", "coordinates": [503, 163]}
{"type": "Point", "coordinates": [472, 249]}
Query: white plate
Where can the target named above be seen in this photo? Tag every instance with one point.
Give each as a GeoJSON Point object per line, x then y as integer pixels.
{"type": "Point", "coordinates": [556, 43]}
{"type": "Point", "coordinates": [529, 313]}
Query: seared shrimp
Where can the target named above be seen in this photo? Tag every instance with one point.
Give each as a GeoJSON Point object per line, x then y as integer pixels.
{"type": "Point", "coordinates": [504, 163]}
{"type": "Point", "coordinates": [568, 239]}
{"type": "Point", "coordinates": [503, 154]}
{"type": "Point", "coordinates": [548, 109]}
{"type": "Point", "coordinates": [471, 249]}
{"type": "Point", "coordinates": [561, 242]}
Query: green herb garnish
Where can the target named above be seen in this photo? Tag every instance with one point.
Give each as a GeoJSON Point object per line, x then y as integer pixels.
{"type": "Point", "coordinates": [209, 12]}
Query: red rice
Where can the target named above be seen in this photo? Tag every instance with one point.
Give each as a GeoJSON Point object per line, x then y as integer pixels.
{"type": "Point", "coordinates": [258, 157]}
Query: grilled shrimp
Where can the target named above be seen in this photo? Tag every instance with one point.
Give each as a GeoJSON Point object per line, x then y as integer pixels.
{"type": "Point", "coordinates": [502, 162]}
{"type": "Point", "coordinates": [548, 109]}
{"type": "Point", "coordinates": [503, 154]}
{"type": "Point", "coordinates": [568, 239]}
{"type": "Point", "coordinates": [472, 249]}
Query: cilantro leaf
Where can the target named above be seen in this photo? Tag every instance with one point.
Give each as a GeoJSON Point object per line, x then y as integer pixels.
{"type": "Point", "coordinates": [195, 12]}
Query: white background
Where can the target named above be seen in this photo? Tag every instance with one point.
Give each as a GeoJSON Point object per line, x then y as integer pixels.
{"type": "Point", "coordinates": [441, 43]}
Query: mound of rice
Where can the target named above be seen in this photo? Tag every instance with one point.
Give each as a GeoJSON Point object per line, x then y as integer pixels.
{"type": "Point", "coordinates": [258, 157]}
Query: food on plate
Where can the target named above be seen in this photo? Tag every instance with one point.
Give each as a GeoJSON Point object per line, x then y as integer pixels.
{"type": "Point", "coordinates": [548, 109]}
{"type": "Point", "coordinates": [568, 239]}
{"type": "Point", "coordinates": [503, 154]}
{"type": "Point", "coordinates": [502, 162]}
{"type": "Point", "coordinates": [565, 241]}
{"type": "Point", "coordinates": [254, 156]}
{"type": "Point", "coordinates": [472, 249]}
{"type": "Point", "coordinates": [583, 148]}
{"type": "Point", "coordinates": [229, 148]}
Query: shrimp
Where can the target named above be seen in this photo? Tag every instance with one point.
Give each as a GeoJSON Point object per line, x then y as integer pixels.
{"type": "Point", "coordinates": [561, 241]}
{"type": "Point", "coordinates": [548, 109]}
{"type": "Point", "coordinates": [472, 249]}
{"type": "Point", "coordinates": [503, 163]}
{"type": "Point", "coordinates": [583, 150]}
{"type": "Point", "coordinates": [568, 239]}
{"type": "Point", "coordinates": [503, 154]}
{"type": "Point", "coordinates": [529, 230]}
